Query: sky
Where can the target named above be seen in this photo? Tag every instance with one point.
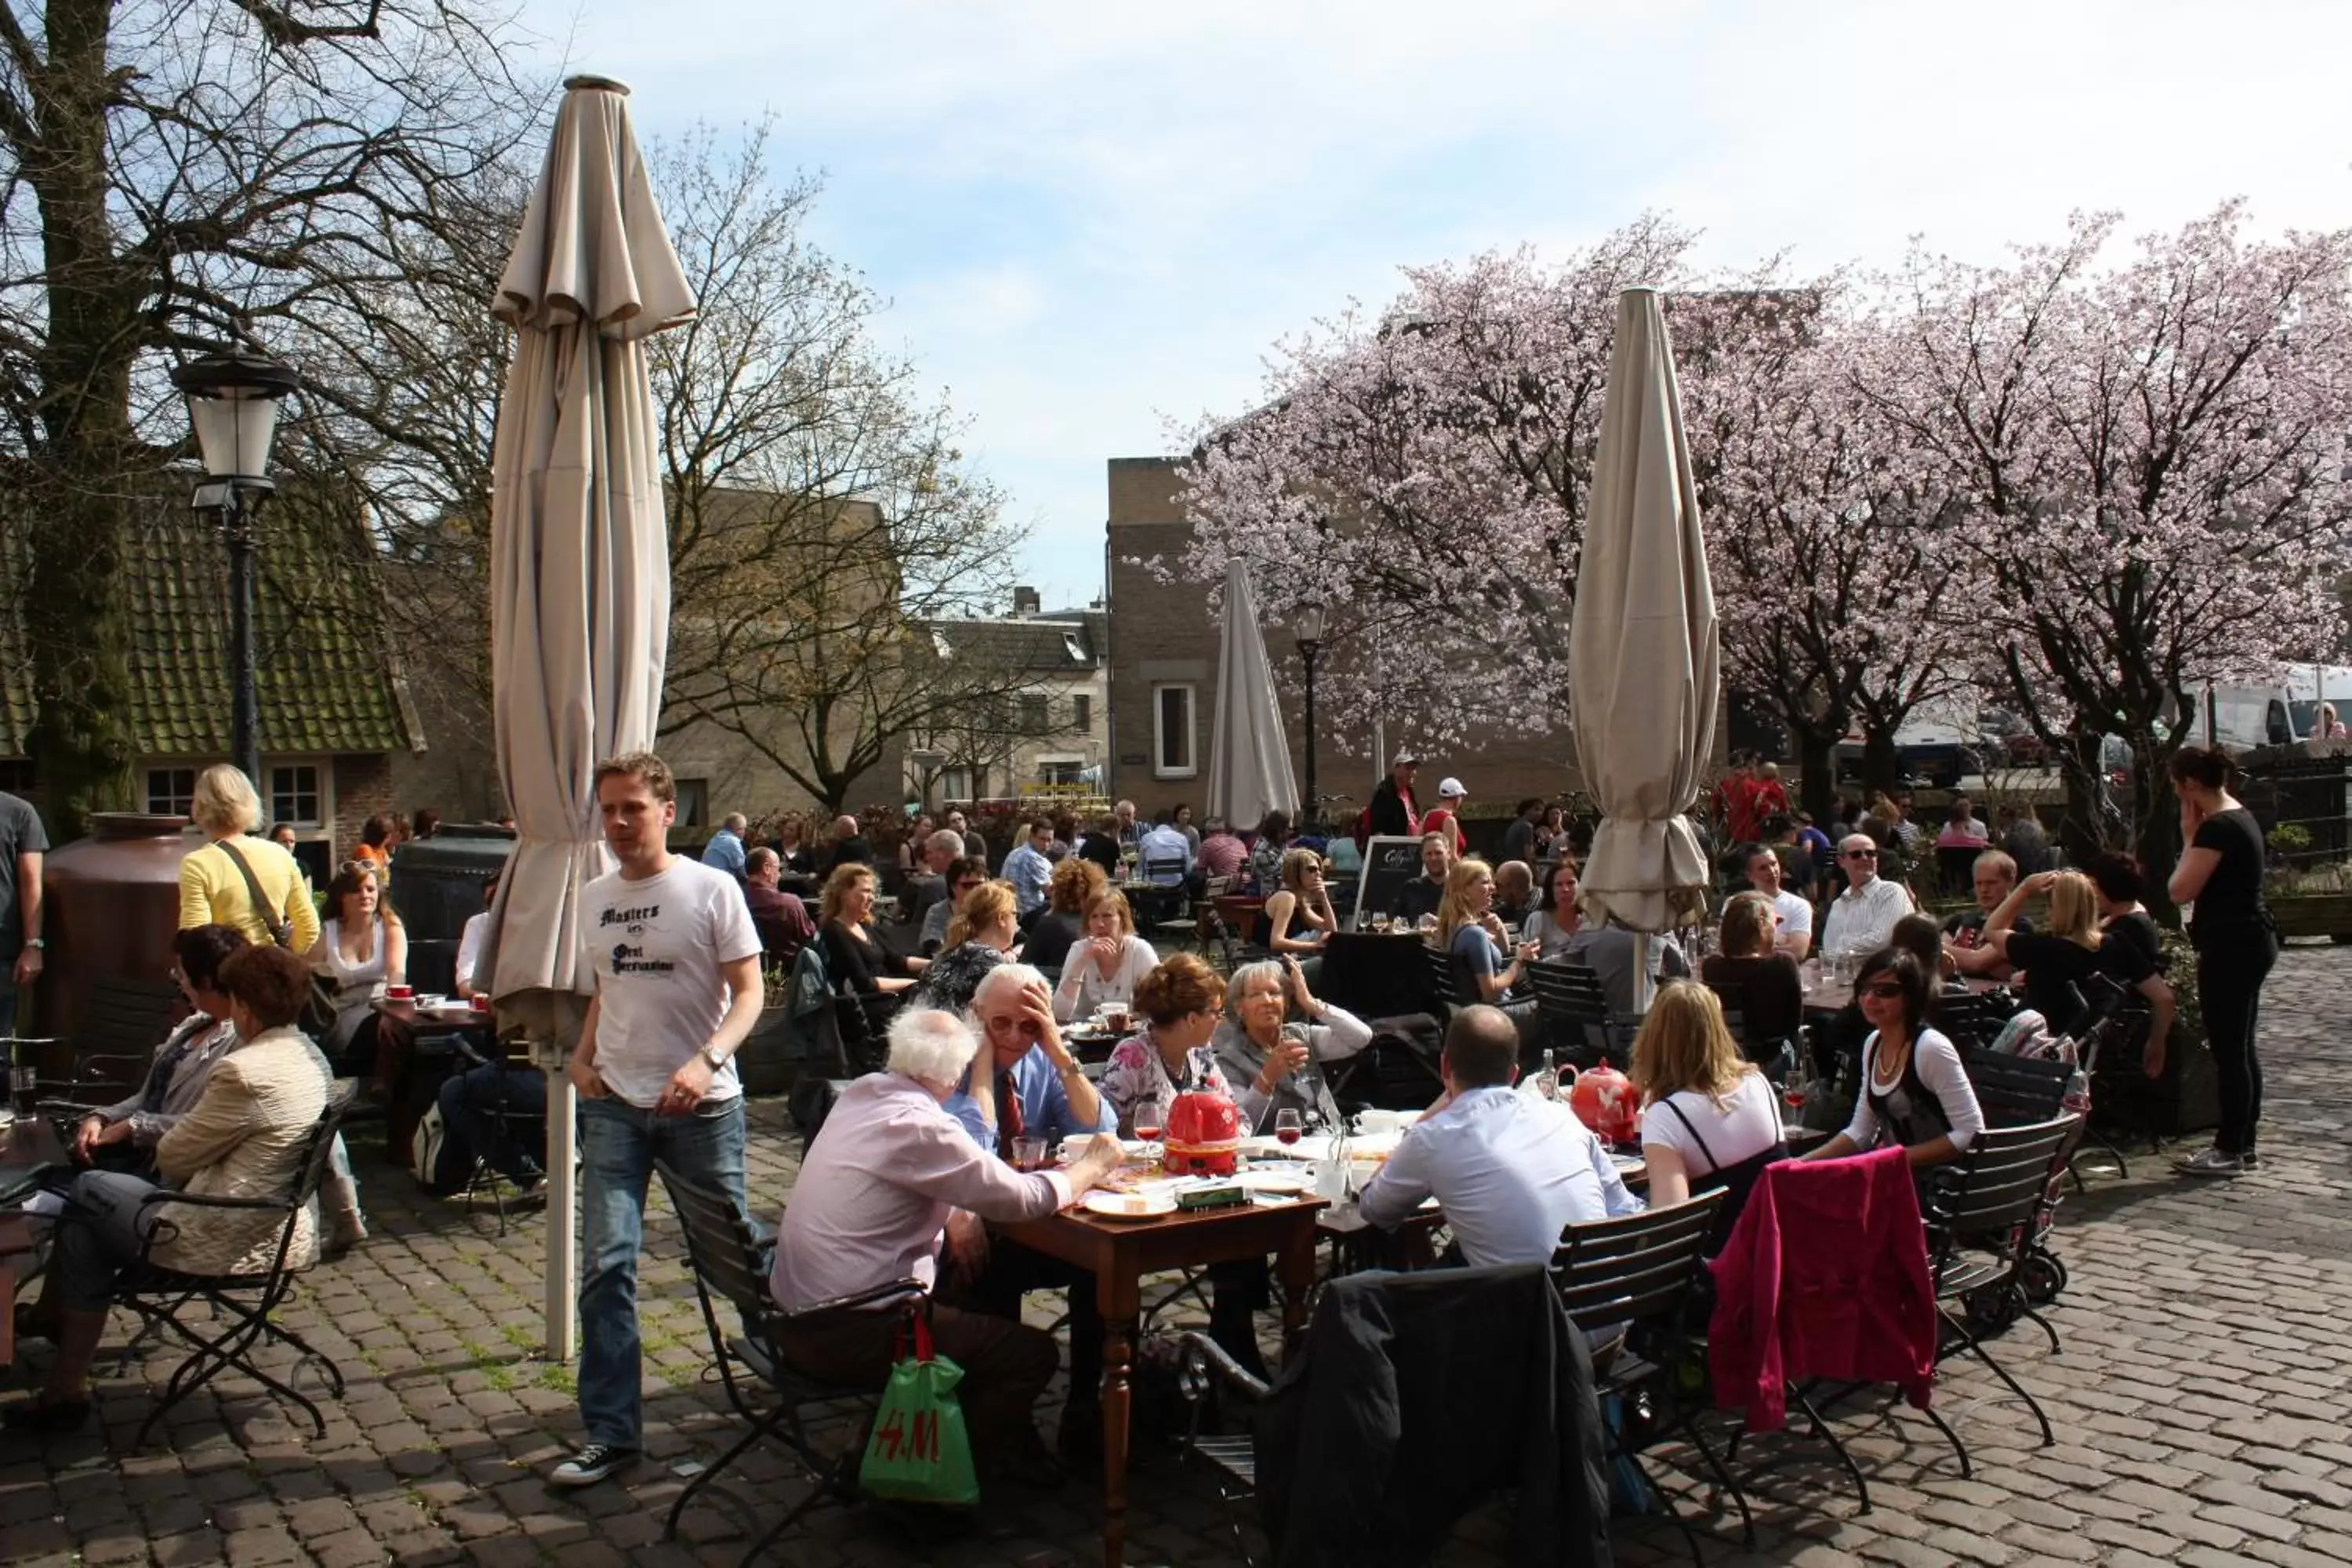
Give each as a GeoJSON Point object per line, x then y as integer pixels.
{"type": "Point", "coordinates": [1094, 223]}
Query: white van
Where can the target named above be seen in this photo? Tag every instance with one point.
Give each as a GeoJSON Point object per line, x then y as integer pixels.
{"type": "Point", "coordinates": [2240, 717]}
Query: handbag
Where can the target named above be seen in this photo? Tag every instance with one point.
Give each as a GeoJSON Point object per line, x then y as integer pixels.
{"type": "Point", "coordinates": [318, 1014]}
{"type": "Point", "coordinates": [919, 1451]}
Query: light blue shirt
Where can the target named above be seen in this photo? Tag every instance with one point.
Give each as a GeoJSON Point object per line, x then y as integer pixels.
{"type": "Point", "coordinates": [1029, 872]}
{"type": "Point", "coordinates": [725, 853]}
{"type": "Point", "coordinates": [1162, 847]}
{"type": "Point", "coordinates": [1046, 1110]}
{"type": "Point", "coordinates": [1511, 1171]}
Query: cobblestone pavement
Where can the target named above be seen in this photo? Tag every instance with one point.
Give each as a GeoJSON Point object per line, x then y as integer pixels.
{"type": "Point", "coordinates": [2199, 1404]}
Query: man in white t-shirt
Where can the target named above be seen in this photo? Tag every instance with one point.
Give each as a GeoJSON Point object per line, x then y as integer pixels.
{"type": "Point", "coordinates": [676, 961]}
{"type": "Point", "coordinates": [1792, 918]}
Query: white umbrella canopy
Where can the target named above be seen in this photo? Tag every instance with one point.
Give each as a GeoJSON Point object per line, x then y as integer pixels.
{"type": "Point", "coordinates": [580, 570]}
{"type": "Point", "coordinates": [1249, 760]}
{"type": "Point", "coordinates": [1644, 657]}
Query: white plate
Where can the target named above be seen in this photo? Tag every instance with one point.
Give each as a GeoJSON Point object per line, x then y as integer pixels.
{"type": "Point", "coordinates": [1130, 1205]}
{"type": "Point", "coordinates": [1259, 1179]}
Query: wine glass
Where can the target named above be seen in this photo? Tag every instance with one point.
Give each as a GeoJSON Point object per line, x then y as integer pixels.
{"type": "Point", "coordinates": [1287, 1126]}
{"type": "Point", "coordinates": [1147, 1121]}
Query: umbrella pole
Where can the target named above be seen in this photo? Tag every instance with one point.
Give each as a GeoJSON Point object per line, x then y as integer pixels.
{"type": "Point", "coordinates": [1645, 988]}
{"type": "Point", "coordinates": [562, 1337]}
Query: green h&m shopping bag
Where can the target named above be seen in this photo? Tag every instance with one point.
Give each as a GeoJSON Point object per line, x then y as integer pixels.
{"type": "Point", "coordinates": [919, 1451]}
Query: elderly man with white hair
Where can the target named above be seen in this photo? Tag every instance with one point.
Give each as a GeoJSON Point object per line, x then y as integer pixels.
{"type": "Point", "coordinates": [1026, 1084]}
{"type": "Point", "coordinates": [941, 850]}
{"type": "Point", "coordinates": [865, 1224]}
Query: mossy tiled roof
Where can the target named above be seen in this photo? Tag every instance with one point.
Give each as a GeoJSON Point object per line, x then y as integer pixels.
{"type": "Point", "coordinates": [325, 677]}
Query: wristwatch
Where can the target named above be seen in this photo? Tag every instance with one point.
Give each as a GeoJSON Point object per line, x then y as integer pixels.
{"type": "Point", "coordinates": [36, 943]}
{"type": "Point", "coordinates": [710, 1053]}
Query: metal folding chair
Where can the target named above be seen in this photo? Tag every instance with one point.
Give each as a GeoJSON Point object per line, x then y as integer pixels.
{"type": "Point", "coordinates": [162, 1296]}
{"type": "Point", "coordinates": [1980, 1222]}
{"type": "Point", "coordinates": [729, 1264]}
{"type": "Point", "coordinates": [1639, 1272]}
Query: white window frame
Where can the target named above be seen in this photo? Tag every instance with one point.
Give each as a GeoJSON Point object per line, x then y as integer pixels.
{"type": "Point", "coordinates": [1082, 711]}
{"type": "Point", "coordinates": [955, 785]}
{"type": "Point", "coordinates": [1159, 768]}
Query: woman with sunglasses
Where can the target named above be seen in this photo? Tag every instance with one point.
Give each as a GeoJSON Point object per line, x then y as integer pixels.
{"type": "Point", "coordinates": [1914, 1092]}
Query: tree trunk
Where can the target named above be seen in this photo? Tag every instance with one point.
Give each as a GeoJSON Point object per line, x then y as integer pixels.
{"type": "Point", "coordinates": [1882, 770]}
{"type": "Point", "coordinates": [2082, 831]}
{"type": "Point", "coordinates": [1816, 769]}
{"type": "Point", "coordinates": [74, 607]}
{"type": "Point", "coordinates": [2155, 837]}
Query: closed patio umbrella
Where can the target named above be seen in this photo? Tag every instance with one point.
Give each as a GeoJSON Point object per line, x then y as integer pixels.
{"type": "Point", "coordinates": [1644, 659]}
{"type": "Point", "coordinates": [1249, 760]}
{"type": "Point", "coordinates": [579, 572]}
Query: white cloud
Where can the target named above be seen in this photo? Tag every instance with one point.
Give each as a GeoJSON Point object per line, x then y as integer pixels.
{"type": "Point", "coordinates": [1092, 216]}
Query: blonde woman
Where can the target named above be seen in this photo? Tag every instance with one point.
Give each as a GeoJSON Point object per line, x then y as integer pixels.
{"type": "Point", "coordinates": [218, 883]}
{"type": "Point", "coordinates": [1708, 1119]}
{"type": "Point", "coordinates": [854, 956]}
{"type": "Point", "coordinates": [2057, 959]}
{"type": "Point", "coordinates": [1299, 916]}
{"type": "Point", "coordinates": [984, 930]}
{"type": "Point", "coordinates": [1107, 961]}
{"type": "Point", "coordinates": [1470, 934]}
{"type": "Point", "coordinates": [1468, 930]}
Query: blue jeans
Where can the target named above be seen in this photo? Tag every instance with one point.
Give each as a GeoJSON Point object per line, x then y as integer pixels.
{"type": "Point", "coordinates": [618, 1146]}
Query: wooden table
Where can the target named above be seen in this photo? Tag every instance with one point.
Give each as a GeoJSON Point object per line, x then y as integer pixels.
{"type": "Point", "coordinates": [405, 1013]}
{"type": "Point", "coordinates": [1119, 1253]}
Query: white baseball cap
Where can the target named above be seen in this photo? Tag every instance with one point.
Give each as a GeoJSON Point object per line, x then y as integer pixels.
{"type": "Point", "coordinates": [1450, 789]}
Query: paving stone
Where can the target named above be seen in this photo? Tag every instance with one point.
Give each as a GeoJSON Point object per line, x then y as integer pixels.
{"type": "Point", "coordinates": [2198, 1400]}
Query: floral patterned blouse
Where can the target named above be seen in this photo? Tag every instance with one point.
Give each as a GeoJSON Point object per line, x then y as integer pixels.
{"type": "Point", "coordinates": [1137, 1076]}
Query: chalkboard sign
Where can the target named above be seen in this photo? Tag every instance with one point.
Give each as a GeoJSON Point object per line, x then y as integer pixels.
{"type": "Point", "coordinates": [1389, 865]}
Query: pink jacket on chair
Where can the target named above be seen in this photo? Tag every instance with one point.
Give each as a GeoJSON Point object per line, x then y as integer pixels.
{"type": "Point", "coordinates": [1825, 1276]}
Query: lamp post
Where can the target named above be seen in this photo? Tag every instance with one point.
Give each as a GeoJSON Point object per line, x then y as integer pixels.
{"type": "Point", "coordinates": [232, 400]}
{"type": "Point", "coordinates": [1308, 628]}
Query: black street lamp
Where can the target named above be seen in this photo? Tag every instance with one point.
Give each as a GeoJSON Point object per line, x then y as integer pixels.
{"type": "Point", "coordinates": [1307, 625]}
{"type": "Point", "coordinates": [232, 400]}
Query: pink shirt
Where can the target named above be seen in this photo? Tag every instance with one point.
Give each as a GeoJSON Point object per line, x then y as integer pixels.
{"type": "Point", "coordinates": [1221, 855]}
{"type": "Point", "coordinates": [874, 1194]}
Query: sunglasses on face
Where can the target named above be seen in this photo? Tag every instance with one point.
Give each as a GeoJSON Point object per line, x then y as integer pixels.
{"type": "Point", "coordinates": [1861, 854]}
{"type": "Point", "coordinates": [1883, 993]}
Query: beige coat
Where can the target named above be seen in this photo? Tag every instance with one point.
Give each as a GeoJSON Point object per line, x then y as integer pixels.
{"type": "Point", "coordinates": [245, 1138]}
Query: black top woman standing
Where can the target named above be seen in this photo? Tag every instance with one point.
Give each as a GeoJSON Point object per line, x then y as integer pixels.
{"type": "Point", "coordinates": [2220, 872]}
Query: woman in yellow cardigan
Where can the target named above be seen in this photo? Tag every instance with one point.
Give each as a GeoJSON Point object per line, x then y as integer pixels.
{"type": "Point", "coordinates": [214, 891]}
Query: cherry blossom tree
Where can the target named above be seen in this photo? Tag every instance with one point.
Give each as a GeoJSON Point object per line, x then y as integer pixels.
{"type": "Point", "coordinates": [1423, 473]}
{"type": "Point", "coordinates": [1840, 595]}
{"type": "Point", "coordinates": [2147, 458]}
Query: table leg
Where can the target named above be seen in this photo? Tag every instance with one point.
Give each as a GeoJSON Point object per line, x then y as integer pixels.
{"type": "Point", "coordinates": [1294, 1267]}
{"type": "Point", "coordinates": [1117, 1294]}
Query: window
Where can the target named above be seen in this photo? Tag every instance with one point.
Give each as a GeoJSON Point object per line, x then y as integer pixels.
{"type": "Point", "coordinates": [1061, 773]}
{"type": "Point", "coordinates": [693, 802]}
{"type": "Point", "coordinates": [171, 792]}
{"type": "Point", "coordinates": [1033, 716]}
{"type": "Point", "coordinates": [1082, 711]}
{"type": "Point", "coordinates": [955, 783]}
{"type": "Point", "coordinates": [1171, 732]}
{"type": "Point", "coordinates": [294, 796]}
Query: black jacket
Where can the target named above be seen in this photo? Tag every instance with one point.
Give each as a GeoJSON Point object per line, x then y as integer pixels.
{"type": "Point", "coordinates": [1391, 818]}
{"type": "Point", "coordinates": [1417, 1396]}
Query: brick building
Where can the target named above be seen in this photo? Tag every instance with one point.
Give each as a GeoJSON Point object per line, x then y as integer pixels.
{"type": "Point", "coordinates": [1163, 683]}
{"type": "Point", "coordinates": [334, 710]}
